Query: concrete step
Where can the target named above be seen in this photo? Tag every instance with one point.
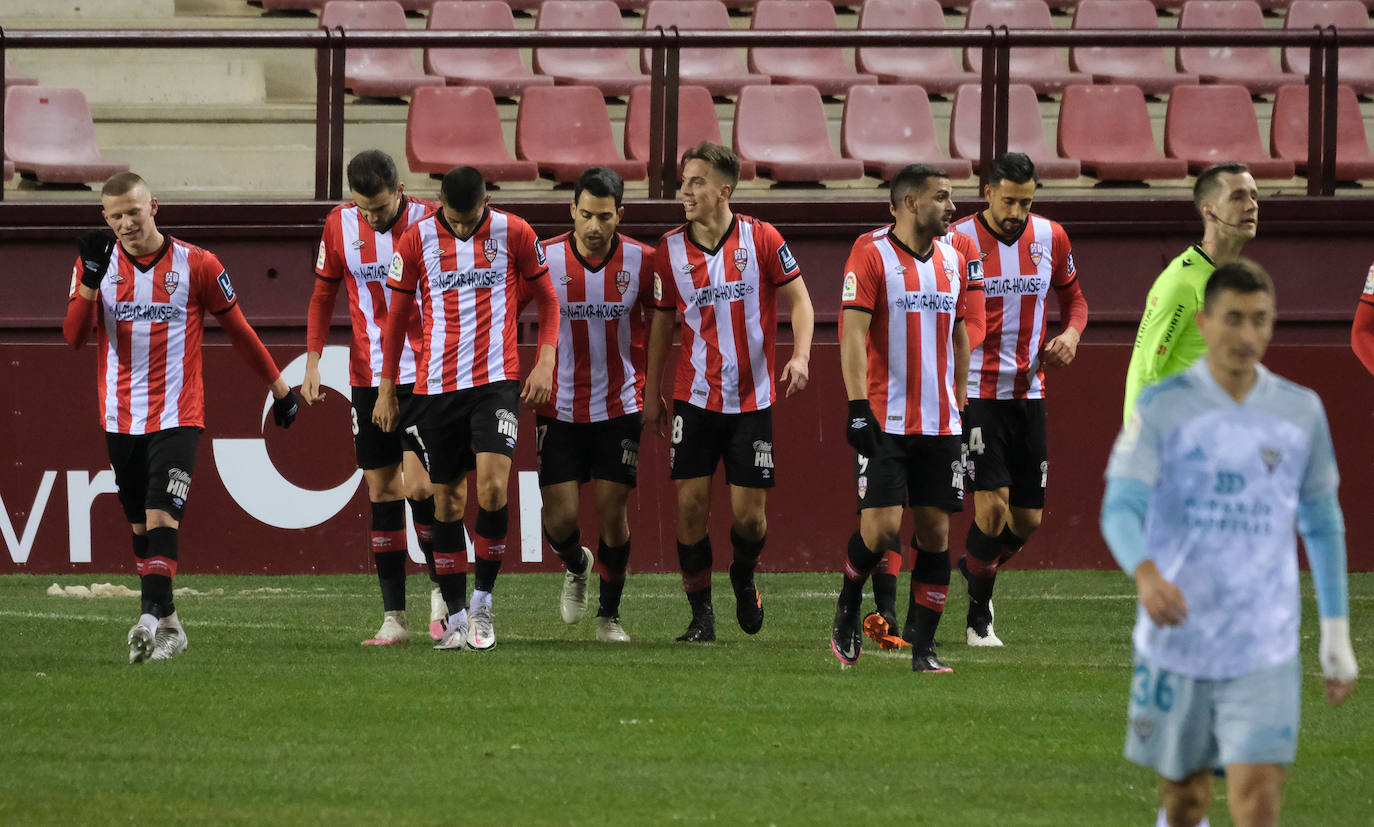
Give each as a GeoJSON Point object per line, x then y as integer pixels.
{"type": "Point", "coordinates": [164, 77]}
{"type": "Point", "coordinates": [16, 11]}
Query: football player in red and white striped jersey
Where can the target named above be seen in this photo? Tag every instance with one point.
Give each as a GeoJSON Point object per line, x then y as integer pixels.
{"type": "Point", "coordinates": [1024, 255]}
{"type": "Point", "coordinates": [355, 253]}
{"type": "Point", "coordinates": [146, 294]}
{"type": "Point", "coordinates": [590, 428]}
{"type": "Point", "coordinates": [1362, 332]}
{"type": "Point", "coordinates": [465, 265]}
{"type": "Point", "coordinates": [904, 354]}
{"type": "Point", "coordinates": [724, 273]}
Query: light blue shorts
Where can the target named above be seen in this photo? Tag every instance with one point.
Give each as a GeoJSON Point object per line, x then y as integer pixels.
{"type": "Point", "coordinates": [1179, 725]}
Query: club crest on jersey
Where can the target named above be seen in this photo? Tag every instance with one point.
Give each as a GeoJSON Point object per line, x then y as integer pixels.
{"type": "Point", "coordinates": [949, 269]}
{"type": "Point", "coordinates": [1036, 251]}
{"type": "Point", "coordinates": [1271, 457]}
{"type": "Point", "coordinates": [741, 259]}
{"type": "Point", "coordinates": [622, 281]}
{"type": "Point", "coordinates": [489, 250]}
{"type": "Point", "coordinates": [170, 280]}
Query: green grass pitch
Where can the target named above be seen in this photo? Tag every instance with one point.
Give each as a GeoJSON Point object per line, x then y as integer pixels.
{"type": "Point", "coordinates": [275, 715]}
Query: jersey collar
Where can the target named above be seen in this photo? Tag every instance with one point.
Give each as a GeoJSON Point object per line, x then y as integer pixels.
{"type": "Point", "coordinates": [610, 254]}
{"type": "Point", "coordinates": [729, 231]}
{"type": "Point", "coordinates": [161, 251]}
{"type": "Point", "coordinates": [998, 236]}
{"type": "Point", "coordinates": [486, 216]}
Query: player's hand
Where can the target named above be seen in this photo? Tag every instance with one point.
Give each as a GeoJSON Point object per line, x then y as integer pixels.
{"type": "Point", "coordinates": [1163, 600]}
{"type": "Point", "coordinates": [284, 409]}
{"type": "Point", "coordinates": [796, 373]}
{"type": "Point", "coordinates": [1337, 660]}
{"type": "Point", "coordinates": [310, 387]}
{"type": "Point", "coordinates": [1059, 351]}
{"type": "Point", "coordinates": [862, 431]}
{"type": "Point", "coordinates": [386, 411]}
{"type": "Point", "coordinates": [96, 249]}
{"type": "Point", "coordinates": [656, 413]}
{"type": "Point", "coordinates": [539, 384]}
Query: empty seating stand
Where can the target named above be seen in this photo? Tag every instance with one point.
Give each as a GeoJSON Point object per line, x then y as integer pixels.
{"type": "Point", "coordinates": [455, 126]}
{"type": "Point", "coordinates": [825, 69]}
{"type": "Point", "coordinates": [1252, 67]}
{"type": "Point", "coordinates": [1288, 133]}
{"type": "Point", "coordinates": [317, 5]}
{"type": "Point", "coordinates": [696, 122]}
{"type": "Point", "coordinates": [567, 129]}
{"type": "Point", "coordinates": [500, 70]}
{"type": "Point", "coordinates": [376, 73]}
{"type": "Point", "coordinates": [1205, 125]}
{"type": "Point", "coordinates": [1025, 131]}
{"type": "Point", "coordinates": [1040, 68]}
{"type": "Point", "coordinates": [49, 135]}
{"type": "Point", "coordinates": [1356, 65]}
{"type": "Point", "coordinates": [611, 70]}
{"type": "Point", "coordinates": [889, 127]}
{"type": "Point", "coordinates": [932, 69]}
{"type": "Point", "coordinates": [1107, 128]}
{"type": "Point", "coordinates": [783, 130]}
{"type": "Point", "coordinates": [719, 70]}
{"type": "Point", "coordinates": [1142, 66]}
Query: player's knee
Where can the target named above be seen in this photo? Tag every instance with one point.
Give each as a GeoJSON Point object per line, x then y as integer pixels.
{"type": "Point", "coordinates": [991, 510]}
{"type": "Point", "coordinates": [1188, 803]}
{"type": "Point", "coordinates": [491, 494]}
{"type": "Point", "coordinates": [1255, 801]}
{"type": "Point", "coordinates": [931, 538]}
{"type": "Point", "coordinates": [417, 489]}
{"type": "Point", "coordinates": [693, 509]}
{"type": "Point", "coordinates": [157, 518]}
{"type": "Point", "coordinates": [751, 525]}
{"type": "Point", "coordinates": [1026, 521]}
{"type": "Point", "coordinates": [559, 519]}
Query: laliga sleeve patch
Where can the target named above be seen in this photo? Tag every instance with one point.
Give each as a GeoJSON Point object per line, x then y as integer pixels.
{"type": "Point", "coordinates": [225, 286]}
{"type": "Point", "coordinates": [789, 264]}
{"type": "Point", "coordinates": [398, 268]}
{"type": "Point", "coordinates": [658, 288]}
{"type": "Point", "coordinates": [851, 287]}
{"type": "Point", "coordinates": [319, 261]}
{"type": "Point", "coordinates": [1069, 263]}
{"type": "Point", "coordinates": [975, 271]}
{"type": "Point", "coordinates": [76, 280]}
{"type": "Point", "coordinates": [1368, 282]}
{"type": "Point", "coordinates": [539, 252]}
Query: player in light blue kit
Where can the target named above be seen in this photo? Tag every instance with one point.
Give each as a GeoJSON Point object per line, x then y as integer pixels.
{"type": "Point", "coordinates": [1206, 482]}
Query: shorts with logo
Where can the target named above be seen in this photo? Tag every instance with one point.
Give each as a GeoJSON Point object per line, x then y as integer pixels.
{"type": "Point", "coordinates": [912, 470]}
{"type": "Point", "coordinates": [702, 438]}
{"type": "Point", "coordinates": [1179, 725]}
{"type": "Point", "coordinates": [583, 451]}
{"type": "Point", "coordinates": [1005, 441]}
{"type": "Point", "coordinates": [455, 427]}
{"type": "Point", "coordinates": [374, 447]}
{"type": "Point", "coordinates": [153, 471]}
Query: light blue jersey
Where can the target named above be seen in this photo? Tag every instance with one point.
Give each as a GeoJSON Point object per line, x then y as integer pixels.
{"type": "Point", "coordinates": [1227, 479]}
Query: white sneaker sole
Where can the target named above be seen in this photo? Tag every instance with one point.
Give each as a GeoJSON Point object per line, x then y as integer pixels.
{"type": "Point", "coordinates": [140, 643]}
{"type": "Point", "coordinates": [975, 639]}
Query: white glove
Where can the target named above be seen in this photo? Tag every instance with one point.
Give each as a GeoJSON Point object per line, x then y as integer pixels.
{"type": "Point", "coordinates": [1335, 654]}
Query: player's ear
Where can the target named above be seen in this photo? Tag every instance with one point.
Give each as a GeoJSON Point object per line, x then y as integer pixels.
{"type": "Point", "coordinates": [152, 206]}
{"type": "Point", "coordinates": [572, 209]}
{"type": "Point", "coordinates": [619, 214]}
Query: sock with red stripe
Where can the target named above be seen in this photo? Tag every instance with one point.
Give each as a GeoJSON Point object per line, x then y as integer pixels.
{"type": "Point", "coordinates": [929, 587]}
{"type": "Point", "coordinates": [569, 550]}
{"type": "Point", "coordinates": [611, 564]}
{"type": "Point", "coordinates": [1011, 544]}
{"type": "Point", "coordinates": [451, 564]}
{"type": "Point", "coordinates": [422, 513]}
{"type": "Point", "coordinates": [388, 542]}
{"type": "Point", "coordinates": [885, 582]}
{"type": "Point", "coordinates": [695, 562]}
{"type": "Point", "coordinates": [858, 564]}
{"type": "Point", "coordinates": [746, 559]}
{"type": "Point", "coordinates": [490, 545]}
{"type": "Point", "coordinates": [157, 570]}
{"type": "Point", "coordinates": [981, 563]}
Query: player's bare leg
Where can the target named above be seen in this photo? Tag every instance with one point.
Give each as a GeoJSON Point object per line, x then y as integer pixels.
{"type": "Point", "coordinates": [559, 516]}
{"type": "Point", "coordinates": [694, 556]}
{"type": "Point", "coordinates": [451, 559]}
{"type": "Point", "coordinates": [879, 529]}
{"type": "Point", "coordinates": [489, 542]}
{"type": "Point", "coordinates": [419, 493]}
{"type": "Point", "coordinates": [387, 540]}
{"type": "Point", "coordinates": [1254, 793]}
{"type": "Point", "coordinates": [929, 586]}
{"type": "Point", "coordinates": [747, 536]}
{"type": "Point", "coordinates": [158, 635]}
{"type": "Point", "coordinates": [613, 557]}
{"type": "Point", "coordinates": [1185, 803]}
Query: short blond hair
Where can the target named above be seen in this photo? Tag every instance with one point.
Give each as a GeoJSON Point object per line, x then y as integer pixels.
{"type": "Point", "coordinates": [721, 159]}
{"type": "Point", "coordinates": [121, 183]}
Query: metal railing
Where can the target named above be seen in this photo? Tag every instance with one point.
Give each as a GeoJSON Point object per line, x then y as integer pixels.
{"type": "Point", "coordinates": [331, 45]}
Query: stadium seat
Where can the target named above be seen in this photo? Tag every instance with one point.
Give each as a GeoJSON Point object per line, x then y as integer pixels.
{"type": "Point", "coordinates": [9, 170]}
{"type": "Point", "coordinates": [13, 78]}
{"type": "Point", "coordinates": [49, 135]}
{"type": "Point", "coordinates": [500, 70]}
{"type": "Point", "coordinates": [824, 68]}
{"type": "Point", "coordinates": [932, 69]}
{"type": "Point", "coordinates": [719, 70]}
{"type": "Point", "coordinates": [1141, 66]}
{"type": "Point", "coordinates": [1025, 131]}
{"type": "Point", "coordinates": [1356, 65]}
{"type": "Point", "coordinates": [610, 70]}
{"type": "Point", "coordinates": [1288, 132]}
{"type": "Point", "coordinates": [1107, 128]}
{"type": "Point", "coordinates": [888, 127]}
{"type": "Point", "coordinates": [696, 122]}
{"type": "Point", "coordinates": [566, 129]}
{"type": "Point", "coordinates": [317, 5]}
{"type": "Point", "coordinates": [376, 73]}
{"type": "Point", "coordinates": [783, 130]}
{"type": "Point", "coordinates": [1206, 125]}
{"type": "Point", "coordinates": [455, 126]}
{"type": "Point", "coordinates": [1041, 68]}
{"type": "Point", "coordinates": [1252, 67]}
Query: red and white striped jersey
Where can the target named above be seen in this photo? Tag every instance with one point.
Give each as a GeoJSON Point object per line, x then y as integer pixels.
{"type": "Point", "coordinates": [353, 253]}
{"type": "Point", "coordinates": [467, 292]}
{"type": "Point", "coordinates": [150, 320]}
{"type": "Point", "coordinates": [600, 367]}
{"type": "Point", "coordinates": [915, 303]}
{"type": "Point", "coordinates": [1017, 276]}
{"type": "Point", "coordinates": [728, 299]}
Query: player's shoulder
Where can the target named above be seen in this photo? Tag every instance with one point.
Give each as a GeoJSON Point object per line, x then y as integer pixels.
{"type": "Point", "coordinates": [554, 241]}
{"type": "Point", "coordinates": [645, 250]}
{"type": "Point", "coordinates": [1056, 229]}
{"type": "Point", "coordinates": [515, 225]}
{"type": "Point", "coordinates": [336, 214]}
{"type": "Point", "coordinates": [679, 230]}
{"type": "Point", "coordinates": [196, 255]}
{"type": "Point", "coordinates": [757, 226]}
{"type": "Point", "coordinates": [1292, 393]}
{"type": "Point", "coordinates": [870, 238]}
{"type": "Point", "coordinates": [428, 204]}
{"type": "Point", "coordinates": [966, 226]}
{"type": "Point", "coordinates": [1158, 396]}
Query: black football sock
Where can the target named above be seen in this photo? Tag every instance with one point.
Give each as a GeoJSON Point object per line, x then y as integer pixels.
{"type": "Point", "coordinates": [929, 587]}
{"type": "Point", "coordinates": [858, 564]}
{"type": "Point", "coordinates": [388, 538]}
{"type": "Point", "coordinates": [885, 583]}
{"type": "Point", "coordinates": [569, 550]}
{"type": "Point", "coordinates": [1011, 544]}
{"type": "Point", "coordinates": [612, 562]}
{"type": "Point", "coordinates": [451, 564]}
{"type": "Point", "coordinates": [422, 514]}
{"type": "Point", "coordinates": [746, 558]}
{"type": "Point", "coordinates": [981, 564]}
{"type": "Point", "coordinates": [158, 570]}
{"type": "Point", "coordinates": [695, 564]}
{"type": "Point", "coordinates": [490, 546]}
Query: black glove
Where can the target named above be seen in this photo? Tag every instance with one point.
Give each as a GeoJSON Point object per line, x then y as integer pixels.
{"type": "Point", "coordinates": [96, 249]}
{"type": "Point", "coordinates": [284, 410]}
{"type": "Point", "coordinates": [862, 433]}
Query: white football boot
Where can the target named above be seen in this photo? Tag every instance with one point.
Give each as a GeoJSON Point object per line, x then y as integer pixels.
{"type": "Point", "coordinates": [608, 630]}
{"type": "Point", "coordinates": [989, 638]}
{"type": "Point", "coordinates": [455, 636]}
{"type": "Point", "coordinates": [394, 630]}
{"type": "Point", "coordinates": [140, 643]}
{"type": "Point", "coordinates": [573, 604]}
{"type": "Point", "coordinates": [438, 614]}
{"type": "Point", "coordinates": [170, 639]}
{"type": "Point", "coordinates": [481, 633]}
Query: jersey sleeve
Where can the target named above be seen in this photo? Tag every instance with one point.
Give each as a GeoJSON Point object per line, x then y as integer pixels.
{"type": "Point", "coordinates": [645, 298]}
{"type": "Point", "coordinates": [665, 286]}
{"type": "Point", "coordinates": [1321, 478]}
{"type": "Point", "coordinates": [1170, 304]}
{"type": "Point", "coordinates": [862, 273]}
{"type": "Point", "coordinates": [214, 288]}
{"type": "Point", "coordinates": [777, 261]}
{"type": "Point", "coordinates": [1362, 332]}
{"type": "Point", "coordinates": [527, 252]}
{"type": "Point", "coordinates": [1073, 306]}
{"type": "Point", "coordinates": [1136, 452]}
{"type": "Point", "coordinates": [328, 263]}
{"type": "Point", "coordinates": [405, 263]}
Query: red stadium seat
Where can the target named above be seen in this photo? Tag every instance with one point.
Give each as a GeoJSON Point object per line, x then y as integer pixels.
{"type": "Point", "coordinates": [783, 130]}
{"type": "Point", "coordinates": [49, 134]}
{"type": "Point", "coordinates": [888, 127]}
{"type": "Point", "coordinates": [1107, 128]}
{"type": "Point", "coordinates": [1356, 65]}
{"type": "Point", "coordinates": [1025, 131]}
{"type": "Point", "coordinates": [376, 73]}
{"type": "Point", "coordinates": [567, 129]}
{"type": "Point", "coordinates": [459, 126]}
{"type": "Point", "coordinates": [696, 122]}
{"type": "Point", "coordinates": [1288, 132]}
{"type": "Point", "coordinates": [610, 70]}
{"type": "Point", "coordinates": [1041, 68]}
{"type": "Point", "coordinates": [932, 69]}
{"type": "Point", "coordinates": [1252, 68]}
{"type": "Point", "coordinates": [500, 70]}
{"type": "Point", "coordinates": [13, 78]}
{"type": "Point", "coordinates": [1206, 125]}
{"type": "Point", "coordinates": [826, 69]}
{"type": "Point", "coordinates": [1145, 67]}
{"type": "Point", "coordinates": [719, 70]}
{"type": "Point", "coordinates": [316, 5]}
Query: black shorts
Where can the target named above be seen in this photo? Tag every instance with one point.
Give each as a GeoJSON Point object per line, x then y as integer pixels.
{"type": "Point", "coordinates": [153, 471]}
{"type": "Point", "coordinates": [702, 438]}
{"type": "Point", "coordinates": [912, 470]}
{"type": "Point", "coordinates": [374, 447]}
{"type": "Point", "coordinates": [453, 428]}
{"type": "Point", "coordinates": [1005, 440]}
{"type": "Point", "coordinates": [583, 451]}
